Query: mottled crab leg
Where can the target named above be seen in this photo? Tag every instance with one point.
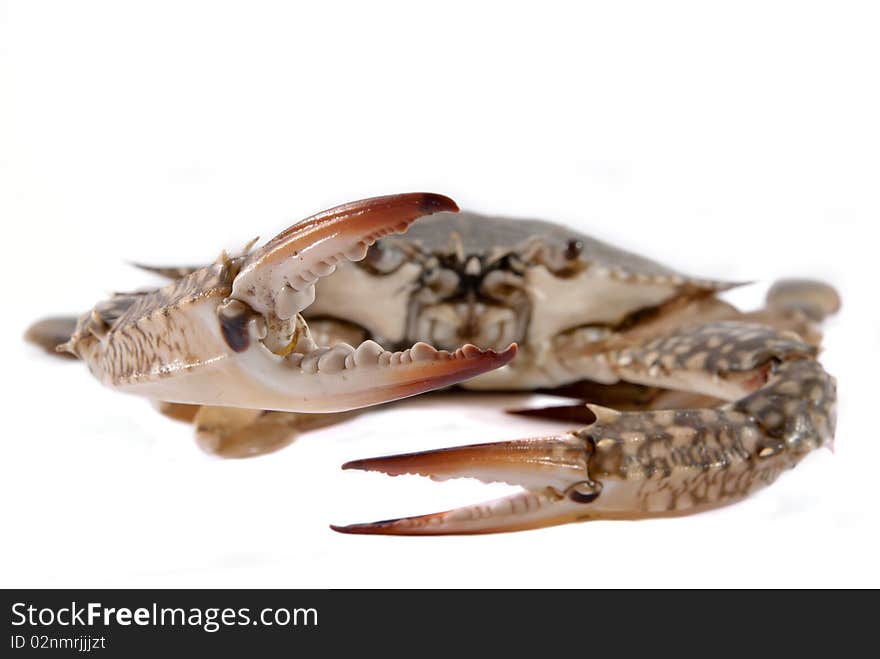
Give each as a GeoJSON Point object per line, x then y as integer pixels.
{"type": "Point", "coordinates": [49, 333]}
{"type": "Point", "coordinates": [637, 464]}
{"type": "Point", "coordinates": [231, 334]}
{"type": "Point", "coordinates": [239, 432]}
{"type": "Point", "coordinates": [792, 305]}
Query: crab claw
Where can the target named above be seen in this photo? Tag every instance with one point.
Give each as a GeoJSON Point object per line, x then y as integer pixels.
{"type": "Point", "coordinates": [278, 281]}
{"type": "Point", "coordinates": [269, 359]}
{"type": "Point", "coordinates": [552, 470]}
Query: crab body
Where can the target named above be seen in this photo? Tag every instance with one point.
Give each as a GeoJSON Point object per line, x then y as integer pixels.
{"type": "Point", "coordinates": [709, 403]}
{"type": "Point", "coordinates": [567, 300]}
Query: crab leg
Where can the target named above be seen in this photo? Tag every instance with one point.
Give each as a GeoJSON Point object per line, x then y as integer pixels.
{"type": "Point", "coordinates": [231, 334]}
{"type": "Point", "coordinates": [636, 464]}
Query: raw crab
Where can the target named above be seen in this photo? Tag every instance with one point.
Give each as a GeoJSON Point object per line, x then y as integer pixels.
{"type": "Point", "coordinates": [711, 403]}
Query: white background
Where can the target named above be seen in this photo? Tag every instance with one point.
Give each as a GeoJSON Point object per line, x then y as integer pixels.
{"type": "Point", "coordinates": [730, 140]}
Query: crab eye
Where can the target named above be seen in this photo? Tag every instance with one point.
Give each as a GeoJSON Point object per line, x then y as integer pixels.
{"type": "Point", "coordinates": [502, 285]}
{"type": "Point", "coordinates": [573, 249]}
{"type": "Point", "coordinates": [383, 259]}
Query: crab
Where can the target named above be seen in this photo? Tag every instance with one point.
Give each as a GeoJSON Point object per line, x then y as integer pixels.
{"type": "Point", "coordinates": [690, 403]}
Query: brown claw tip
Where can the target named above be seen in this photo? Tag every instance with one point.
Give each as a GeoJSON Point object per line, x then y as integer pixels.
{"type": "Point", "coordinates": [500, 358]}
{"type": "Point", "coordinates": [382, 464]}
{"type": "Point", "coordinates": [437, 203]}
{"type": "Point", "coordinates": [510, 352]}
{"type": "Point", "coordinates": [364, 529]}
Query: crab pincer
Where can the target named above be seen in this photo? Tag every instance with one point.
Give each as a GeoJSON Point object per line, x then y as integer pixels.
{"type": "Point", "coordinates": [553, 472]}
{"type": "Point", "coordinates": [651, 462]}
{"type": "Point", "coordinates": [231, 334]}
